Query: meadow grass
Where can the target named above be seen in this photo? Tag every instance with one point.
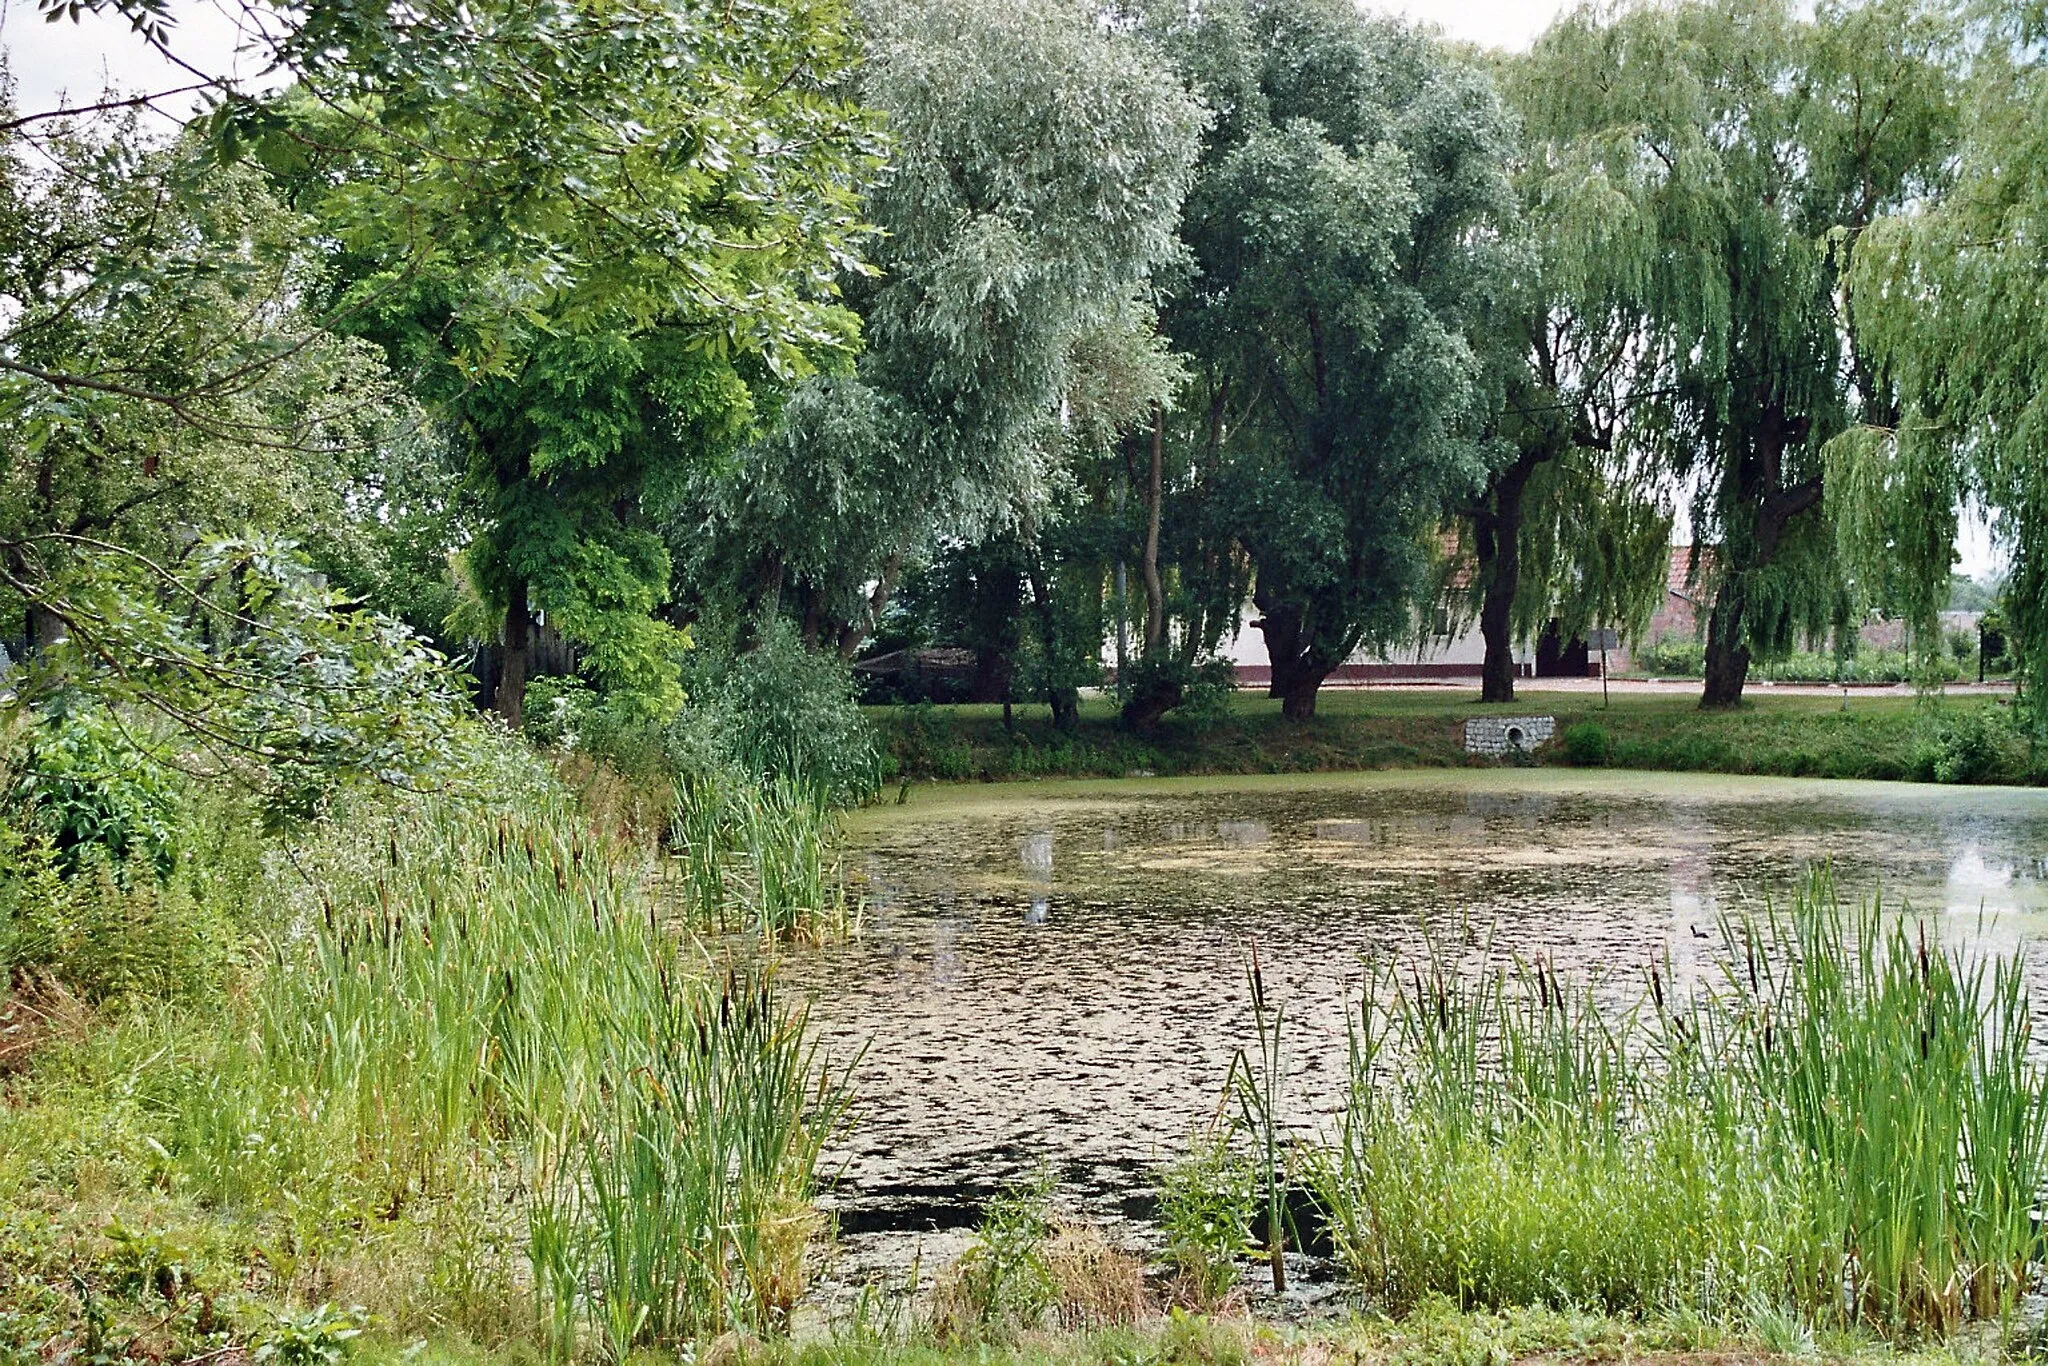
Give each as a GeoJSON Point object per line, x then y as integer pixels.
{"type": "Point", "coordinates": [1877, 736]}
{"type": "Point", "coordinates": [1842, 1123]}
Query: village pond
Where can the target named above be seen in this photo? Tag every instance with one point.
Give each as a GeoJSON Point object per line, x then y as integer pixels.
{"type": "Point", "coordinates": [1053, 977]}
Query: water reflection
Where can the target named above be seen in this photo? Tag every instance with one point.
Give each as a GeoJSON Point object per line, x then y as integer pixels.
{"type": "Point", "coordinates": [1055, 974]}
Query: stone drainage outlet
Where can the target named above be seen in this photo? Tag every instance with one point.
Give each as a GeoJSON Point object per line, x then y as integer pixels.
{"type": "Point", "coordinates": [1507, 734]}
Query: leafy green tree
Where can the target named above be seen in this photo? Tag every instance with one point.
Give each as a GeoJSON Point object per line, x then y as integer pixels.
{"type": "Point", "coordinates": [1039, 167]}
{"type": "Point", "coordinates": [1744, 151]}
{"type": "Point", "coordinates": [160, 373]}
{"type": "Point", "coordinates": [687, 238]}
{"type": "Point", "coordinates": [1949, 302]}
{"type": "Point", "coordinates": [1349, 227]}
{"type": "Point", "coordinates": [584, 234]}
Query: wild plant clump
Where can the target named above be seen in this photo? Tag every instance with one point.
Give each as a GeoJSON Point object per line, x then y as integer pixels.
{"type": "Point", "coordinates": [487, 1003]}
{"type": "Point", "coordinates": [1842, 1124]}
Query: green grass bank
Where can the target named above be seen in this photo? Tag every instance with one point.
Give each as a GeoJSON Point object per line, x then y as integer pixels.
{"type": "Point", "coordinates": [1970, 738]}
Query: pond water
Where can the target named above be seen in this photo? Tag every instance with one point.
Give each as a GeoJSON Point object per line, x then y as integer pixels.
{"type": "Point", "coordinates": [1054, 975]}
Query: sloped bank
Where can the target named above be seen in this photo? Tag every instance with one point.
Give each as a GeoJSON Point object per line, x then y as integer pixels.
{"type": "Point", "coordinates": [1972, 739]}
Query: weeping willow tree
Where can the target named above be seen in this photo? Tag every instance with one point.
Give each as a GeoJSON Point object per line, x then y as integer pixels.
{"type": "Point", "coordinates": [1743, 152]}
{"type": "Point", "coordinates": [1950, 303]}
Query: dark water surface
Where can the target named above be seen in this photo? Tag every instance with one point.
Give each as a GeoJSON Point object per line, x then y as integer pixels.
{"type": "Point", "coordinates": [1055, 974]}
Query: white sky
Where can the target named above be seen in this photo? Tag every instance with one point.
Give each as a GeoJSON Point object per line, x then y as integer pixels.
{"type": "Point", "coordinates": [76, 62]}
{"type": "Point", "coordinates": [80, 60]}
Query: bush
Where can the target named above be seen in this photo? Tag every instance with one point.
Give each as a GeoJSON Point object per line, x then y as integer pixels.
{"type": "Point", "coordinates": [97, 794]}
{"type": "Point", "coordinates": [1588, 744]}
{"type": "Point", "coordinates": [777, 713]}
{"type": "Point", "coordinates": [1672, 657]}
{"type": "Point", "coordinates": [1970, 746]}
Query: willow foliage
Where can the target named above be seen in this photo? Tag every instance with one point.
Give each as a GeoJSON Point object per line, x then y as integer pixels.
{"type": "Point", "coordinates": [1954, 302]}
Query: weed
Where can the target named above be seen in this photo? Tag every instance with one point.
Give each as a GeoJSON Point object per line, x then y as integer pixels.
{"type": "Point", "coordinates": [1208, 1201]}
{"type": "Point", "coordinates": [321, 1336]}
{"type": "Point", "coordinates": [1002, 1284]}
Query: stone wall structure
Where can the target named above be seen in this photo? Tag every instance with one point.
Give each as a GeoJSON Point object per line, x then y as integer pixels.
{"type": "Point", "coordinates": [1506, 734]}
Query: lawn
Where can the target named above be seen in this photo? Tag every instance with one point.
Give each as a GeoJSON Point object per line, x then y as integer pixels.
{"type": "Point", "coordinates": [1881, 736]}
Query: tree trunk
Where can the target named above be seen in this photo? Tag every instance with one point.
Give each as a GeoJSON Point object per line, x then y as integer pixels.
{"type": "Point", "coordinates": [1155, 591]}
{"type": "Point", "coordinates": [45, 628]}
{"type": "Point", "coordinates": [1280, 624]}
{"type": "Point", "coordinates": [1727, 665]}
{"type": "Point", "coordinates": [854, 633]}
{"type": "Point", "coordinates": [1064, 699]}
{"type": "Point", "coordinates": [1296, 675]}
{"type": "Point", "coordinates": [511, 698]}
{"type": "Point", "coordinates": [991, 677]}
{"type": "Point", "coordinates": [1298, 701]}
{"type": "Point", "coordinates": [1497, 527]}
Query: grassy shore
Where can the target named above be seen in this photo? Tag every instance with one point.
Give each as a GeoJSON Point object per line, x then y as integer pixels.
{"type": "Point", "coordinates": [1882, 736]}
{"type": "Point", "coordinates": [1438, 1333]}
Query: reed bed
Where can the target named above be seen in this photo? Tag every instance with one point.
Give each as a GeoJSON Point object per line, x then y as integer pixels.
{"type": "Point", "coordinates": [757, 857]}
{"type": "Point", "coordinates": [1843, 1121]}
{"type": "Point", "coordinates": [494, 1002]}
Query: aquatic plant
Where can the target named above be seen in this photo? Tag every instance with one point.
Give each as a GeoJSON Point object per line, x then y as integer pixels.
{"type": "Point", "coordinates": [1208, 1200]}
{"type": "Point", "coordinates": [757, 857]}
{"type": "Point", "coordinates": [1842, 1123]}
{"type": "Point", "coordinates": [1255, 1084]}
{"type": "Point", "coordinates": [492, 1000]}
{"type": "Point", "coordinates": [1002, 1283]}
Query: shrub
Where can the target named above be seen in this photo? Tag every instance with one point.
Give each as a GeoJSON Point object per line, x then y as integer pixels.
{"type": "Point", "coordinates": [96, 793]}
{"type": "Point", "coordinates": [777, 712]}
{"type": "Point", "coordinates": [1968, 746]}
{"type": "Point", "coordinates": [1588, 744]}
{"type": "Point", "coordinates": [1672, 657]}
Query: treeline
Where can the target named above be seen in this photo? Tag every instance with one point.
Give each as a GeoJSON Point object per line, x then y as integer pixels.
{"type": "Point", "coordinates": [588, 340]}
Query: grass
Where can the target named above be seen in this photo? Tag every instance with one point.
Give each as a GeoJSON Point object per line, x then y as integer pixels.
{"type": "Point", "coordinates": [1842, 1128]}
{"type": "Point", "coordinates": [1880, 737]}
{"type": "Point", "coordinates": [468, 1074]}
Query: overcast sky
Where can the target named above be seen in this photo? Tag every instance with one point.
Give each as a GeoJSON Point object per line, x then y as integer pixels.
{"type": "Point", "coordinates": [81, 60]}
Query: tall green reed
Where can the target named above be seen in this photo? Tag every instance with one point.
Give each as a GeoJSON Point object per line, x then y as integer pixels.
{"type": "Point", "coordinates": [1843, 1120]}
{"type": "Point", "coordinates": [493, 993]}
{"type": "Point", "coordinates": [1256, 1083]}
{"type": "Point", "coordinates": [758, 857]}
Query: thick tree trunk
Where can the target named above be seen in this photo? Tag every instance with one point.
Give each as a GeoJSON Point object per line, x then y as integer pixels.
{"type": "Point", "coordinates": [1727, 664]}
{"type": "Point", "coordinates": [511, 698]}
{"type": "Point", "coordinates": [1770, 508]}
{"type": "Point", "coordinates": [1297, 676]}
{"type": "Point", "coordinates": [1280, 624]}
{"type": "Point", "coordinates": [1298, 702]}
{"type": "Point", "coordinates": [1497, 524]}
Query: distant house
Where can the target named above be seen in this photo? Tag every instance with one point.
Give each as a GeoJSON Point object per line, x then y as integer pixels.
{"type": "Point", "coordinates": [1446, 654]}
